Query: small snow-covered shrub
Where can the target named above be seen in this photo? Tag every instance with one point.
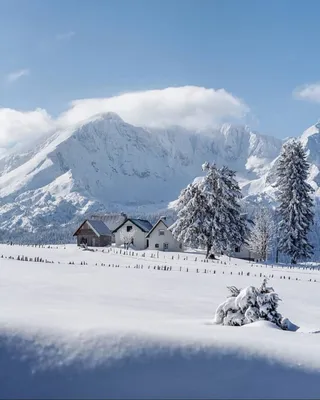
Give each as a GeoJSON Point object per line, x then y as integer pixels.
{"type": "Point", "coordinates": [250, 304]}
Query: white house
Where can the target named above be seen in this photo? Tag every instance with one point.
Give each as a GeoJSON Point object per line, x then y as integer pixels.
{"type": "Point", "coordinates": [160, 238]}
{"type": "Point", "coordinates": [244, 253]}
{"type": "Point", "coordinates": [135, 229]}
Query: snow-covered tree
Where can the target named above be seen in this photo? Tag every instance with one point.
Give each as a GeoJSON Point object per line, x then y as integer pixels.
{"type": "Point", "coordinates": [192, 226]}
{"type": "Point", "coordinates": [209, 212]}
{"type": "Point", "coordinates": [252, 304]}
{"type": "Point", "coordinates": [234, 223]}
{"type": "Point", "coordinates": [295, 202]}
{"type": "Point", "coordinates": [262, 233]}
{"type": "Point", "coordinates": [127, 237]}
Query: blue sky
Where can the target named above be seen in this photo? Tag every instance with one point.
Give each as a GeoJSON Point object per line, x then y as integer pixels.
{"type": "Point", "coordinates": [53, 52]}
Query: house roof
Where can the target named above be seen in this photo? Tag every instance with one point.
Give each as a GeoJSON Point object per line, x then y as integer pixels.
{"type": "Point", "coordinates": [99, 227]}
{"type": "Point", "coordinates": [155, 225]}
{"type": "Point", "coordinates": [142, 224]}
{"type": "Point", "coordinates": [112, 220]}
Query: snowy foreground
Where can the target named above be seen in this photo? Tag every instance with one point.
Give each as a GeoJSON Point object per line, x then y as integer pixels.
{"type": "Point", "coordinates": [97, 331]}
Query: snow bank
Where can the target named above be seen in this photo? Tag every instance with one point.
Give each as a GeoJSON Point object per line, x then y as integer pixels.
{"type": "Point", "coordinates": [40, 368]}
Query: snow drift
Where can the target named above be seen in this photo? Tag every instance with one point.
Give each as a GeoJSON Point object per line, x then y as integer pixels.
{"type": "Point", "coordinates": [41, 369]}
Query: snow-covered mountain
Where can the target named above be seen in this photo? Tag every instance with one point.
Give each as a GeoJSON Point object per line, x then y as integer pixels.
{"type": "Point", "coordinates": [106, 164]}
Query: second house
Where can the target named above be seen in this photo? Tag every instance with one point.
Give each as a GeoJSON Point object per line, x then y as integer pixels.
{"type": "Point", "coordinates": [133, 232]}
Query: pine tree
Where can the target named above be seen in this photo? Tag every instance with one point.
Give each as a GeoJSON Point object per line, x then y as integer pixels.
{"type": "Point", "coordinates": [223, 195]}
{"type": "Point", "coordinates": [251, 304]}
{"type": "Point", "coordinates": [190, 227]}
{"type": "Point", "coordinates": [234, 224]}
{"type": "Point", "coordinates": [209, 213]}
{"type": "Point", "coordinates": [295, 202]}
{"type": "Point", "coordinates": [262, 233]}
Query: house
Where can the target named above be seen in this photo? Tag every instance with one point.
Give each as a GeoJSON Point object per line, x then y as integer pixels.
{"type": "Point", "coordinates": [133, 231]}
{"type": "Point", "coordinates": [112, 220]}
{"type": "Point", "coordinates": [161, 238]}
{"type": "Point", "coordinates": [93, 233]}
{"type": "Point", "coordinates": [243, 252]}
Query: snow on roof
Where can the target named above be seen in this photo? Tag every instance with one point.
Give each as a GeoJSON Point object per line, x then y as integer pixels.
{"type": "Point", "coordinates": [99, 227]}
{"type": "Point", "coordinates": [112, 220]}
{"type": "Point", "coordinates": [143, 224]}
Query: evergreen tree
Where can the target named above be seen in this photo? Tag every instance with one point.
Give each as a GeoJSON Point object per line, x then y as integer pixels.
{"type": "Point", "coordinates": [223, 194]}
{"type": "Point", "coordinates": [262, 233]}
{"type": "Point", "coordinates": [209, 213]}
{"type": "Point", "coordinates": [295, 202]}
{"type": "Point", "coordinates": [235, 225]}
{"type": "Point", "coordinates": [251, 304]}
{"type": "Point", "coordinates": [191, 227]}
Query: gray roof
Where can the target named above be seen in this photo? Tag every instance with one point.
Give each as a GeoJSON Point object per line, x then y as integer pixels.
{"type": "Point", "coordinates": [143, 224]}
{"type": "Point", "coordinates": [112, 220]}
{"type": "Point", "coordinates": [99, 227]}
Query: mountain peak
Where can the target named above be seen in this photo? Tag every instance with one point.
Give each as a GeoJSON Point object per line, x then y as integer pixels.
{"type": "Point", "coordinates": [110, 116]}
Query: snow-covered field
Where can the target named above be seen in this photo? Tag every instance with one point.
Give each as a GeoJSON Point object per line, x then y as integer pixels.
{"type": "Point", "coordinates": [140, 326]}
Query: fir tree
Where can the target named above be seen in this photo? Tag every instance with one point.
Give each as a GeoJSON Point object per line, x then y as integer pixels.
{"type": "Point", "coordinates": [295, 202]}
{"type": "Point", "coordinates": [191, 227]}
{"type": "Point", "coordinates": [251, 304]}
{"type": "Point", "coordinates": [209, 212]}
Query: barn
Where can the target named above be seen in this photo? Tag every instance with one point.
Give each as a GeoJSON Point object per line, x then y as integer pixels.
{"type": "Point", "coordinates": [93, 233]}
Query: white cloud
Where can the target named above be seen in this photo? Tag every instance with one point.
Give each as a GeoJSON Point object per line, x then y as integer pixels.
{"type": "Point", "coordinates": [310, 92]}
{"type": "Point", "coordinates": [15, 75]}
{"type": "Point", "coordinates": [20, 126]}
{"type": "Point", "coordinates": [65, 35]}
{"type": "Point", "coordinates": [189, 106]}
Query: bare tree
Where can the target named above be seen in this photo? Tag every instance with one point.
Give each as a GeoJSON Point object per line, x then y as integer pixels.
{"type": "Point", "coordinates": [262, 233]}
{"type": "Point", "coordinates": [127, 237]}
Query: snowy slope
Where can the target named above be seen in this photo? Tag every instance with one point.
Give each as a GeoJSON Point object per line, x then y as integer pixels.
{"type": "Point", "coordinates": [110, 331]}
{"type": "Point", "coordinates": [108, 164]}
{"type": "Point", "coordinates": [310, 140]}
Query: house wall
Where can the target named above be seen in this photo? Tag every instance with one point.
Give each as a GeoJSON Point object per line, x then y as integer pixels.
{"type": "Point", "coordinates": [139, 239]}
{"type": "Point", "coordinates": [245, 254]}
{"type": "Point", "coordinates": [156, 238]}
{"type": "Point", "coordinates": [95, 241]}
{"type": "Point", "coordinates": [91, 238]}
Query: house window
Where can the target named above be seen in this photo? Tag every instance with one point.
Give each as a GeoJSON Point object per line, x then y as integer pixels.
{"type": "Point", "coordinates": [180, 246]}
{"type": "Point", "coordinates": [237, 250]}
{"type": "Point", "coordinates": [165, 246]}
{"type": "Point", "coordinates": [129, 228]}
{"type": "Point", "coordinates": [161, 232]}
{"type": "Point", "coordinates": [156, 245]}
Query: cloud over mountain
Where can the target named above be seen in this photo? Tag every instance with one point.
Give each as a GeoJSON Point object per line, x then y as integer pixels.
{"type": "Point", "coordinates": [191, 107]}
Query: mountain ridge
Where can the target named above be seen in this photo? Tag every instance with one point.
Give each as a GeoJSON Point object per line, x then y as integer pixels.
{"type": "Point", "coordinates": [106, 164]}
